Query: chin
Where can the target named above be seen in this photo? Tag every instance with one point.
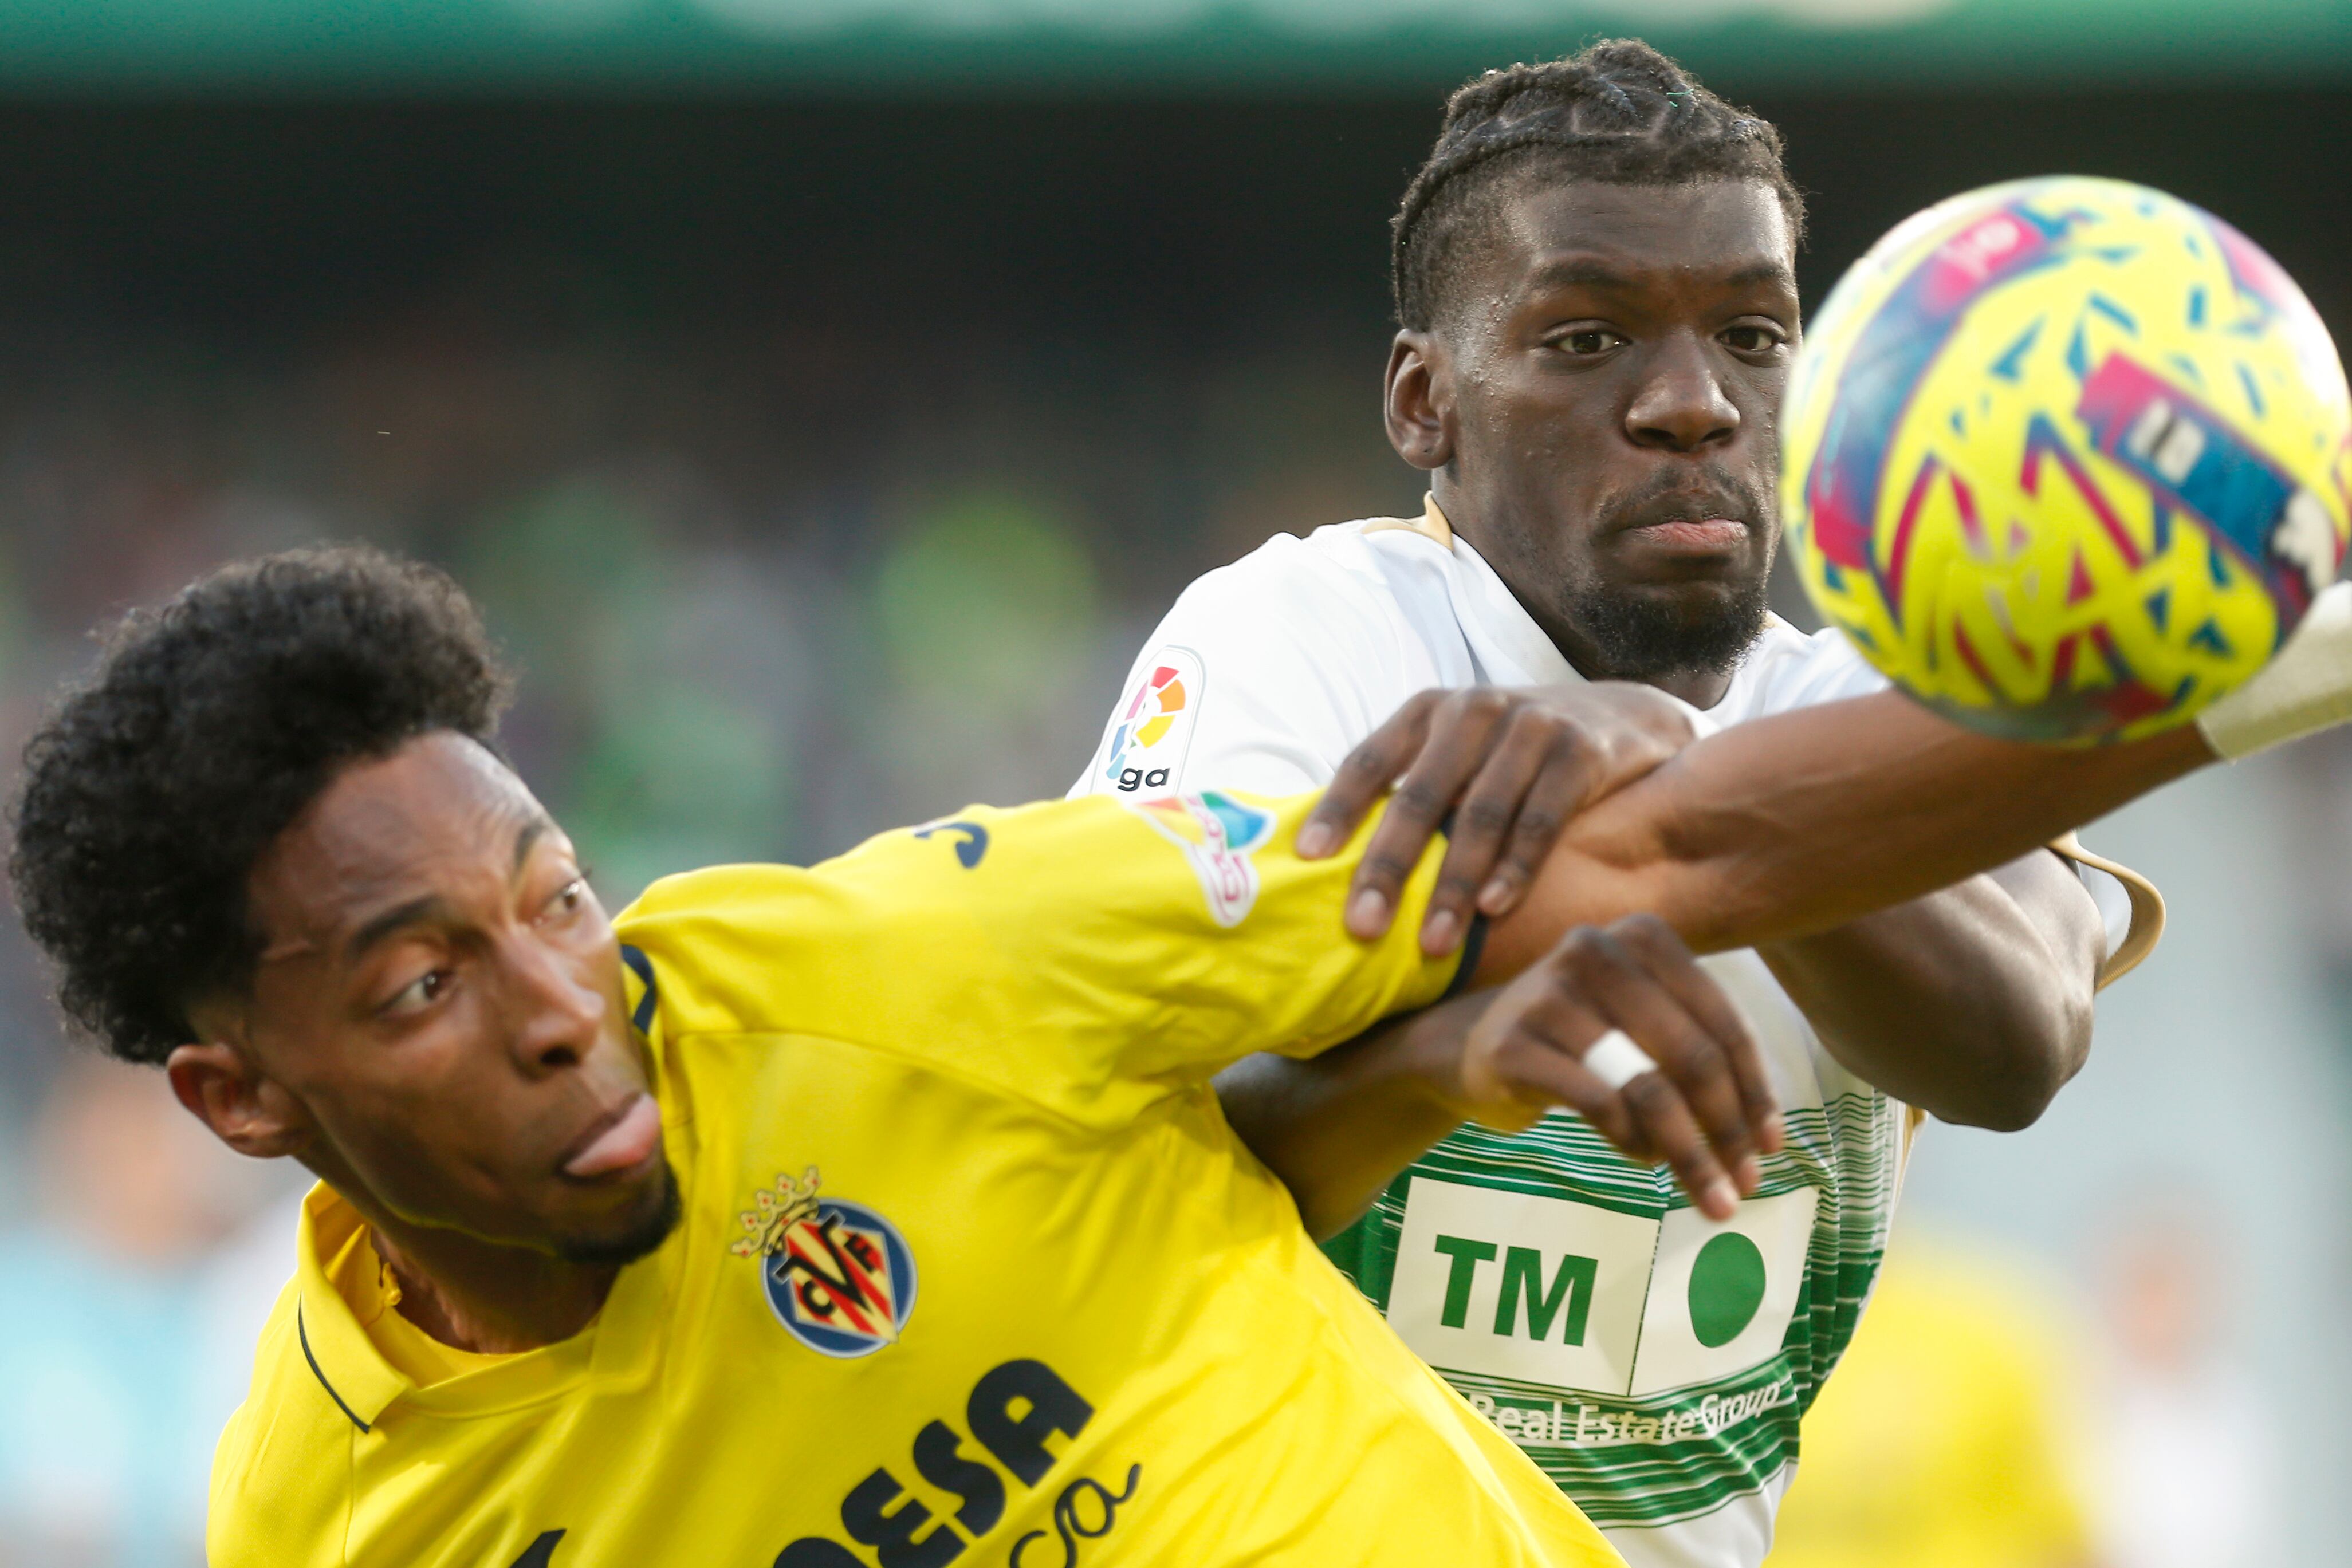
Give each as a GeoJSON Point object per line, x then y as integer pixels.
{"type": "Point", "coordinates": [1651, 631]}
{"type": "Point", "coordinates": [1698, 601]}
{"type": "Point", "coordinates": [637, 1230]}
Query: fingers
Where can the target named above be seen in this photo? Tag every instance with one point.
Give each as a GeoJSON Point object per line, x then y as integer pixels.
{"type": "Point", "coordinates": [1673, 966]}
{"type": "Point", "coordinates": [1536, 751]}
{"type": "Point", "coordinates": [1558, 790]}
{"type": "Point", "coordinates": [1689, 1110]}
{"type": "Point", "coordinates": [1364, 776]}
{"type": "Point", "coordinates": [1459, 731]}
{"type": "Point", "coordinates": [1511, 766]}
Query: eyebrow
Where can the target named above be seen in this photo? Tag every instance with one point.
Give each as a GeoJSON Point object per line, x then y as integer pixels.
{"type": "Point", "coordinates": [1761, 272]}
{"type": "Point", "coordinates": [417, 909]}
{"type": "Point", "coordinates": [394, 919]}
{"type": "Point", "coordinates": [1591, 272]}
{"type": "Point", "coordinates": [532, 832]}
{"type": "Point", "coordinates": [1581, 271]}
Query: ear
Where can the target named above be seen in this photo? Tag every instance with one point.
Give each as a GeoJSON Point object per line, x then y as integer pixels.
{"type": "Point", "coordinates": [1419, 392]}
{"type": "Point", "coordinates": [251, 1114]}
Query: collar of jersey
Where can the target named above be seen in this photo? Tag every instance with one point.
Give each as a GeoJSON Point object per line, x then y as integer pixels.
{"type": "Point", "coordinates": [1497, 616]}
{"type": "Point", "coordinates": [620, 1347]}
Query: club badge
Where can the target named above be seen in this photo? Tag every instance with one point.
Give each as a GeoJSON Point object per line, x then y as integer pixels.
{"type": "Point", "coordinates": [838, 1276]}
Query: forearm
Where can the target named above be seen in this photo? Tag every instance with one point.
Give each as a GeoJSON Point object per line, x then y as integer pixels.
{"type": "Point", "coordinates": [1973, 1004]}
{"type": "Point", "coordinates": [1795, 824]}
{"type": "Point", "coordinates": [1337, 1129]}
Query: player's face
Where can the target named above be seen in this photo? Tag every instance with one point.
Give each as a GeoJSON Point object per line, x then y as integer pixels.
{"type": "Point", "coordinates": [1614, 380]}
{"type": "Point", "coordinates": [439, 996]}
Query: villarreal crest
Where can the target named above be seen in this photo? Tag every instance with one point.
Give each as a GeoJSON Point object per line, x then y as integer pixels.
{"type": "Point", "coordinates": [838, 1276]}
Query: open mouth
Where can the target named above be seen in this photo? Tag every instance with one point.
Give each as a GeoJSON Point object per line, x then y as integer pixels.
{"type": "Point", "coordinates": [618, 1141]}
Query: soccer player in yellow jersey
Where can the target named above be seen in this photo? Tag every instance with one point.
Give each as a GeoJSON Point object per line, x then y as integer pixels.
{"type": "Point", "coordinates": [879, 1213]}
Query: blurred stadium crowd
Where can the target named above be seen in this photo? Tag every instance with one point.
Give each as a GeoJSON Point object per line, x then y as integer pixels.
{"type": "Point", "coordinates": [775, 580]}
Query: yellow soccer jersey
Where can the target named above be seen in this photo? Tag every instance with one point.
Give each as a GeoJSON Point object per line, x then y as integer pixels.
{"type": "Point", "coordinates": [971, 1268]}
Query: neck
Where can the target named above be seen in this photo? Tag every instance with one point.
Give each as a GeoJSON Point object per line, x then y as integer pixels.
{"type": "Point", "coordinates": [485, 1297]}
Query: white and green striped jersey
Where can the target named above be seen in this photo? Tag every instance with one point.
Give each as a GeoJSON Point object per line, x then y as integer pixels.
{"type": "Point", "coordinates": [1653, 1362]}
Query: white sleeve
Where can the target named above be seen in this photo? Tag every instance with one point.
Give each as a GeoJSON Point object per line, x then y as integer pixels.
{"type": "Point", "coordinates": [1262, 678]}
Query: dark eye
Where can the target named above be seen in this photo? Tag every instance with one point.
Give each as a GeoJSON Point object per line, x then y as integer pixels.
{"type": "Point", "coordinates": [419, 993]}
{"type": "Point", "coordinates": [1752, 339]}
{"type": "Point", "coordinates": [1588, 340]}
{"type": "Point", "coordinates": [569, 898]}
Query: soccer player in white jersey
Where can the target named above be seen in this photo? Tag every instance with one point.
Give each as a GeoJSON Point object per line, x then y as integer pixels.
{"type": "Point", "coordinates": [1595, 276]}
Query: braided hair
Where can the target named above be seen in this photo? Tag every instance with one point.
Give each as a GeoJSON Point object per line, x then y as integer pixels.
{"type": "Point", "coordinates": [1619, 113]}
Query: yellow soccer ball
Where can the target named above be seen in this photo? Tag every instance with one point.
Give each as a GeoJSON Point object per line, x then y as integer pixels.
{"type": "Point", "coordinates": [2067, 458]}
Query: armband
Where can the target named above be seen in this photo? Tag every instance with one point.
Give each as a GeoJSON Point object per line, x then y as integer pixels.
{"type": "Point", "coordinates": [2307, 687]}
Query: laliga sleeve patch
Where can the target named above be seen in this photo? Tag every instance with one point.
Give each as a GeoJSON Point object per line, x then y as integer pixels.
{"type": "Point", "coordinates": [1216, 834]}
{"type": "Point", "coordinates": [1143, 756]}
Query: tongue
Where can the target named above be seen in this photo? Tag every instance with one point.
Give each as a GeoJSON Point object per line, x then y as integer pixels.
{"type": "Point", "coordinates": [623, 1144]}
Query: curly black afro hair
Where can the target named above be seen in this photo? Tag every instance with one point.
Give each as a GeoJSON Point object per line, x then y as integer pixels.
{"type": "Point", "coordinates": [1619, 113]}
{"type": "Point", "coordinates": [209, 725]}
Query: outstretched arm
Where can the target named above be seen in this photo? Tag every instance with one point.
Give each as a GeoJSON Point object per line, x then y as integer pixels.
{"type": "Point", "coordinates": [1795, 824]}
{"type": "Point", "coordinates": [1779, 833]}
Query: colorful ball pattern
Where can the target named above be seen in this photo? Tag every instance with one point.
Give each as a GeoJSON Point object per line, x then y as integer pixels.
{"type": "Point", "coordinates": [2067, 458]}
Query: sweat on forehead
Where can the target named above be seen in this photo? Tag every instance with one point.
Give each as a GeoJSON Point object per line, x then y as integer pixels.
{"type": "Point", "coordinates": [1618, 113]}
{"type": "Point", "coordinates": [1616, 242]}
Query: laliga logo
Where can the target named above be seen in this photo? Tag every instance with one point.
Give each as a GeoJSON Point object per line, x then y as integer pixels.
{"type": "Point", "coordinates": [1169, 691]}
{"type": "Point", "coordinates": [838, 1276]}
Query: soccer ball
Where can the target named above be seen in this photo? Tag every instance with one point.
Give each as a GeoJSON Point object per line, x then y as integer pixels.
{"type": "Point", "coordinates": [2067, 458]}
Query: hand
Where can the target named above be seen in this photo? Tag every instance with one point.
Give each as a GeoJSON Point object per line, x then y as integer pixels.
{"type": "Point", "coordinates": [1706, 1109]}
{"type": "Point", "coordinates": [1512, 766]}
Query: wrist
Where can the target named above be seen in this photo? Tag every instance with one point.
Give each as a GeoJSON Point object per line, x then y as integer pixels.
{"type": "Point", "coordinates": [2306, 688]}
{"type": "Point", "coordinates": [1438, 1044]}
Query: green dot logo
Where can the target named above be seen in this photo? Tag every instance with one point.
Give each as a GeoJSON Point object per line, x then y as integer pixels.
{"type": "Point", "coordinates": [1726, 1286]}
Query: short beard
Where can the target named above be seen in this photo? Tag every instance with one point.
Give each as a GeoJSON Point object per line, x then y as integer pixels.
{"type": "Point", "coordinates": [1637, 637]}
{"type": "Point", "coordinates": [640, 1240]}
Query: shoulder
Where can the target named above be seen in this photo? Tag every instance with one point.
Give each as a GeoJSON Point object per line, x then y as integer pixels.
{"type": "Point", "coordinates": [869, 942]}
{"type": "Point", "coordinates": [281, 1476]}
{"type": "Point", "coordinates": [1267, 670]}
{"type": "Point", "coordinates": [1331, 580]}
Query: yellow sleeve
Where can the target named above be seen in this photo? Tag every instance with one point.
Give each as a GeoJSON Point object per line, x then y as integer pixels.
{"type": "Point", "coordinates": [1054, 948]}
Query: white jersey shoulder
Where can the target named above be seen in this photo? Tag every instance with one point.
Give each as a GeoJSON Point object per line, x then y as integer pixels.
{"type": "Point", "coordinates": [1285, 659]}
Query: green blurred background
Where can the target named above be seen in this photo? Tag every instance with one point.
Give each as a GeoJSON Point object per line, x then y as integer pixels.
{"type": "Point", "coordinates": [825, 396]}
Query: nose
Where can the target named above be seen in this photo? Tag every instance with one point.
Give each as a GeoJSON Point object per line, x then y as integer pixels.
{"type": "Point", "coordinates": [555, 1009]}
{"type": "Point", "coordinates": [1681, 405]}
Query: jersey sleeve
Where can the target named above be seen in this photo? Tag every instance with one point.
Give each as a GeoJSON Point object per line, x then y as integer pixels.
{"type": "Point", "coordinates": [1091, 954]}
{"type": "Point", "coordinates": [1263, 677]}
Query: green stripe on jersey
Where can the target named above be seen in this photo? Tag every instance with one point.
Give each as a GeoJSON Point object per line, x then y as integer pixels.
{"type": "Point", "coordinates": [1654, 1365]}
